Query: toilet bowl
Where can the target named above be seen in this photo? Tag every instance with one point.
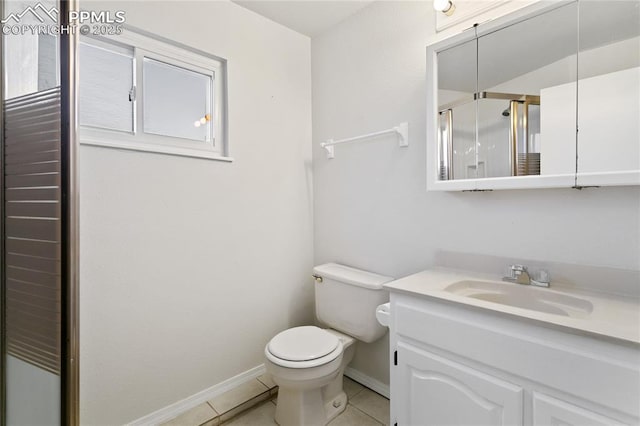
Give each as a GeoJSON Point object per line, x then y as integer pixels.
{"type": "Point", "coordinates": [307, 363]}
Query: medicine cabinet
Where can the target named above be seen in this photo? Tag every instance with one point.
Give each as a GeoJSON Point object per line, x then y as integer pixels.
{"type": "Point", "coordinates": [547, 96]}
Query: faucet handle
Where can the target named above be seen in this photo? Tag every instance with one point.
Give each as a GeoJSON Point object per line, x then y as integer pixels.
{"type": "Point", "coordinates": [542, 278]}
{"type": "Point", "coordinates": [513, 272]}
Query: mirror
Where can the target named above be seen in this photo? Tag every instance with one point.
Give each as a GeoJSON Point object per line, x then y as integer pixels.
{"type": "Point", "coordinates": [526, 106]}
{"type": "Point", "coordinates": [457, 112]}
{"type": "Point", "coordinates": [609, 91]}
{"type": "Point", "coordinates": [506, 99]}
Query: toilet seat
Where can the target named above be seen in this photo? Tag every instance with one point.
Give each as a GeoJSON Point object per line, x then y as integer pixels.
{"type": "Point", "coordinates": [303, 347]}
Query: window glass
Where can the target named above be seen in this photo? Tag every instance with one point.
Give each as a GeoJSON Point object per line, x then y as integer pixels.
{"type": "Point", "coordinates": [106, 82]}
{"type": "Point", "coordinates": [176, 101]}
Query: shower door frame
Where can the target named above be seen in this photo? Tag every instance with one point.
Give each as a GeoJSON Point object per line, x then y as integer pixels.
{"type": "Point", "coordinates": [3, 348]}
{"type": "Point", "coordinates": [69, 147]}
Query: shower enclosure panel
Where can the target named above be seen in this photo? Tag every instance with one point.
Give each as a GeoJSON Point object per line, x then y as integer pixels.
{"type": "Point", "coordinates": [32, 257]}
{"type": "Point", "coordinates": [38, 276]}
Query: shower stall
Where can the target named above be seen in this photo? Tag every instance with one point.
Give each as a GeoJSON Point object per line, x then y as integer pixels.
{"type": "Point", "coordinates": [489, 134]}
{"type": "Point", "coordinates": [38, 214]}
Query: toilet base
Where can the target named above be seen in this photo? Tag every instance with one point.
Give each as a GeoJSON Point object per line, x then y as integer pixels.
{"type": "Point", "coordinates": [314, 407]}
{"type": "Point", "coordinates": [307, 408]}
{"type": "Point", "coordinates": [335, 407]}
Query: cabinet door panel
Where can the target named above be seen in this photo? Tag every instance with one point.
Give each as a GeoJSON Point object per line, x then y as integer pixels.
{"type": "Point", "coordinates": [437, 391]}
{"type": "Point", "coordinates": [608, 87]}
{"type": "Point", "coordinates": [549, 411]}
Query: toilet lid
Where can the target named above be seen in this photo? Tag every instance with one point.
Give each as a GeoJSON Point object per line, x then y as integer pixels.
{"type": "Point", "coordinates": [303, 344]}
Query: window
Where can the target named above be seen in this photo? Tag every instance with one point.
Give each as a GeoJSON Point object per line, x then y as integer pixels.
{"type": "Point", "coordinates": [105, 82]}
{"type": "Point", "coordinates": [143, 94]}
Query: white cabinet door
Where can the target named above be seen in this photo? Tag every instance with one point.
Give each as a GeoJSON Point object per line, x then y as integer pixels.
{"type": "Point", "coordinates": [549, 411]}
{"type": "Point", "coordinates": [432, 390]}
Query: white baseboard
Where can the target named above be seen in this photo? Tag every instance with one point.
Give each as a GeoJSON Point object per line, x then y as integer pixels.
{"type": "Point", "coordinates": [174, 410]}
{"type": "Point", "coordinates": [368, 381]}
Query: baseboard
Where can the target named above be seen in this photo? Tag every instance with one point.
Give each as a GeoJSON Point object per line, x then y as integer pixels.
{"type": "Point", "coordinates": [174, 410]}
{"type": "Point", "coordinates": [368, 381]}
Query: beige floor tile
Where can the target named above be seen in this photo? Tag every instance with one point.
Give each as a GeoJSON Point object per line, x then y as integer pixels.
{"type": "Point", "coordinates": [237, 396]}
{"type": "Point", "coordinates": [351, 388]}
{"type": "Point", "coordinates": [266, 380]}
{"type": "Point", "coordinates": [353, 417]}
{"type": "Point", "coordinates": [194, 417]}
{"type": "Point", "coordinates": [249, 405]}
{"type": "Point", "coordinates": [262, 415]}
{"type": "Point", "coordinates": [377, 406]}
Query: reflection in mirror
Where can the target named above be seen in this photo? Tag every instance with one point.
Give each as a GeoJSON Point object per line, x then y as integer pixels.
{"type": "Point", "coordinates": [527, 96]}
{"type": "Point", "coordinates": [509, 137]}
{"type": "Point", "coordinates": [31, 60]}
{"type": "Point", "coordinates": [609, 87]}
{"type": "Point", "coordinates": [457, 112]}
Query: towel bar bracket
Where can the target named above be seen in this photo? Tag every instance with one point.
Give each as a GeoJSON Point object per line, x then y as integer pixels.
{"type": "Point", "coordinates": [403, 134]}
{"type": "Point", "coordinates": [331, 152]}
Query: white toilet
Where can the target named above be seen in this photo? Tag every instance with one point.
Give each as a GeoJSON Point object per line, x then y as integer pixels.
{"type": "Point", "coordinates": [307, 363]}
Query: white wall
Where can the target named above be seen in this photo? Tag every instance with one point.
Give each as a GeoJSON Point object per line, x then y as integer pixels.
{"type": "Point", "coordinates": [190, 266]}
{"type": "Point", "coordinates": [371, 207]}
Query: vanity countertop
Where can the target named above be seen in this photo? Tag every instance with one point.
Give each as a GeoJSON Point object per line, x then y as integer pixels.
{"type": "Point", "coordinates": [611, 316]}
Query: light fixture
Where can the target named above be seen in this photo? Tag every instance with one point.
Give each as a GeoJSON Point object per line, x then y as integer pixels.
{"type": "Point", "coordinates": [445, 6]}
{"type": "Point", "coordinates": [202, 120]}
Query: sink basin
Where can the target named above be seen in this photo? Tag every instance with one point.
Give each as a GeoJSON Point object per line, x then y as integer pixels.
{"type": "Point", "coordinates": [523, 296]}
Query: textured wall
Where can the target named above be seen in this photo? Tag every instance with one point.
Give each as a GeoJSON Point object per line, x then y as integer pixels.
{"type": "Point", "coordinates": [190, 266]}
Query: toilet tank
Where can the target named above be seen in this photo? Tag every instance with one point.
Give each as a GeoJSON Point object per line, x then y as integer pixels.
{"type": "Point", "coordinates": [346, 300]}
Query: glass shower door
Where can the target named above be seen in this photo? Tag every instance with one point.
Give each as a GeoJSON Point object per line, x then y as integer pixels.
{"type": "Point", "coordinates": [35, 205]}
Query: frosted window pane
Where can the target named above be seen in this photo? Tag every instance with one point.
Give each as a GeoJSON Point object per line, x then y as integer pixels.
{"type": "Point", "coordinates": [106, 79]}
{"type": "Point", "coordinates": [176, 101]}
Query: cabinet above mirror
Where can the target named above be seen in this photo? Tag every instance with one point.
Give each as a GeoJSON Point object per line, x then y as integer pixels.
{"type": "Point", "coordinates": [514, 103]}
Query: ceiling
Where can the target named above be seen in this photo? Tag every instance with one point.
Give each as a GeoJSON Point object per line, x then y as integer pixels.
{"type": "Point", "coordinates": [310, 17]}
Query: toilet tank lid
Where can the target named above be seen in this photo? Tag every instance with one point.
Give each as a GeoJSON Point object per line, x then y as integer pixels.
{"type": "Point", "coordinates": [353, 276]}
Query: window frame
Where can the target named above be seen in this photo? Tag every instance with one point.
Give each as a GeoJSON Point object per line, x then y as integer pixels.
{"type": "Point", "coordinates": [157, 49]}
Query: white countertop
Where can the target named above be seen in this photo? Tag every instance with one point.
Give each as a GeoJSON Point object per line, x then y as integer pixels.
{"type": "Point", "coordinates": [612, 316]}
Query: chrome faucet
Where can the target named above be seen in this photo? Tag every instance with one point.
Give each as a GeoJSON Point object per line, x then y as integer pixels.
{"type": "Point", "coordinates": [520, 274]}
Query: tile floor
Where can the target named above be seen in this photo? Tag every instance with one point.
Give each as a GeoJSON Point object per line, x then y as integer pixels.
{"type": "Point", "coordinates": [228, 405]}
{"type": "Point", "coordinates": [254, 404]}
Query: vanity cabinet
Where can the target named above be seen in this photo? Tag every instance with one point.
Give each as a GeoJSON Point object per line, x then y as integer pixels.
{"type": "Point", "coordinates": [453, 364]}
{"type": "Point", "coordinates": [440, 392]}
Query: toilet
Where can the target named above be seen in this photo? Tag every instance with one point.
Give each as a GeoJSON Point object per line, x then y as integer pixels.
{"type": "Point", "coordinates": [307, 363]}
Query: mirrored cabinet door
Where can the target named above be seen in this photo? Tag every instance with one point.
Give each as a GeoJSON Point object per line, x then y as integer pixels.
{"type": "Point", "coordinates": [609, 93]}
{"type": "Point", "coordinates": [527, 96]}
{"type": "Point", "coordinates": [457, 154]}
